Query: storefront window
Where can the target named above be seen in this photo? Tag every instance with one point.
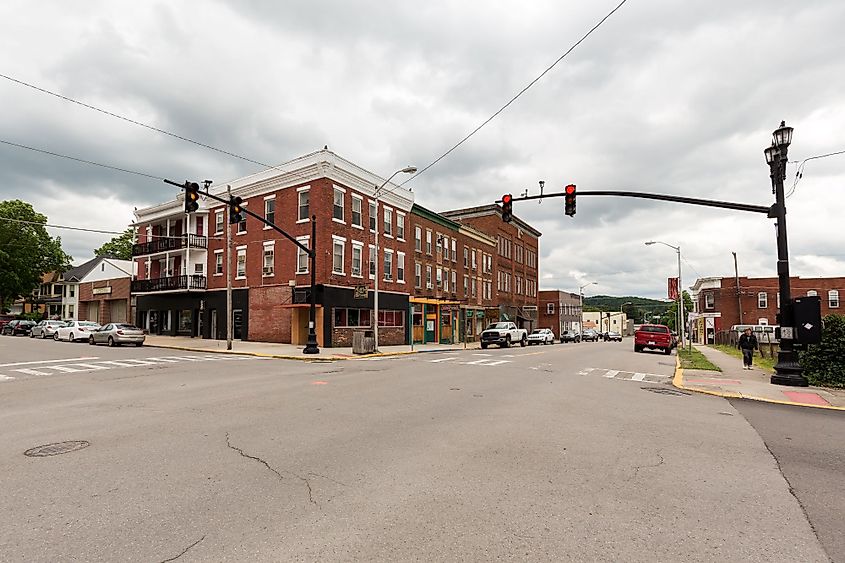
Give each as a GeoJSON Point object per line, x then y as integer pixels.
{"type": "Point", "coordinates": [185, 320]}
{"type": "Point", "coordinates": [352, 318]}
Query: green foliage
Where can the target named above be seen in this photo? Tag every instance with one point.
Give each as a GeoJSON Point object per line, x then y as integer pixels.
{"type": "Point", "coordinates": [119, 247]}
{"type": "Point", "coordinates": [670, 316]}
{"type": "Point", "coordinates": [26, 251]}
{"type": "Point", "coordinates": [638, 308]}
{"type": "Point", "coordinates": [693, 359]}
{"type": "Point", "coordinates": [824, 363]}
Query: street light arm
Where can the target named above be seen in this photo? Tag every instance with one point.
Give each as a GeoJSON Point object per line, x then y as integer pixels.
{"type": "Point", "coordinates": [675, 248]}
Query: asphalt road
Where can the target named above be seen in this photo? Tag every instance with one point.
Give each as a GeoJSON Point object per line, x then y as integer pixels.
{"type": "Point", "coordinates": [566, 452]}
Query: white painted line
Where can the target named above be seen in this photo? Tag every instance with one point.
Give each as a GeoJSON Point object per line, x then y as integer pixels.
{"type": "Point", "coordinates": [437, 361]}
{"type": "Point", "coordinates": [50, 361]}
{"type": "Point", "coordinates": [638, 377]}
{"type": "Point", "coordinates": [86, 367]}
{"type": "Point", "coordinates": [480, 354]}
{"type": "Point", "coordinates": [508, 356]}
{"type": "Point", "coordinates": [30, 371]}
{"type": "Point", "coordinates": [122, 364]}
{"type": "Point", "coordinates": [499, 363]}
{"type": "Point", "coordinates": [65, 369]}
{"type": "Point", "coordinates": [611, 373]}
{"type": "Point", "coordinates": [6, 377]}
{"type": "Point", "coordinates": [164, 359]}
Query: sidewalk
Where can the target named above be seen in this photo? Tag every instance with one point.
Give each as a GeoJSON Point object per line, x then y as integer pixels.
{"type": "Point", "coordinates": [289, 351]}
{"type": "Point", "coordinates": [736, 382]}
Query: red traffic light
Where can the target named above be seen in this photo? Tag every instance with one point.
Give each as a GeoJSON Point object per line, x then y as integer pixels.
{"type": "Point", "coordinates": [570, 189]}
{"type": "Point", "coordinates": [507, 198]}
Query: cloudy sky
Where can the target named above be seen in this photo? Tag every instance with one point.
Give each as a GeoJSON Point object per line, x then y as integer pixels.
{"type": "Point", "coordinates": [669, 97]}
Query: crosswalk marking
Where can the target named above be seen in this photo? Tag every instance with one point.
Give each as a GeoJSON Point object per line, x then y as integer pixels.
{"type": "Point", "coordinates": [438, 360]}
{"type": "Point", "coordinates": [28, 371]}
{"type": "Point", "coordinates": [499, 362]}
{"type": "Point", "coordinates": [638, 377]}
{"type": "Point", "coordinates": [625, 375]}
{"type": "Point", "coordinates": [611, 373]}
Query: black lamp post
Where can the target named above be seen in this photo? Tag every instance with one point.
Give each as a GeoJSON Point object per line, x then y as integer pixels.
{"type": "Point", "coordinates": [788, 369]}
{"type": "Point", "coordinates": [311, 343]}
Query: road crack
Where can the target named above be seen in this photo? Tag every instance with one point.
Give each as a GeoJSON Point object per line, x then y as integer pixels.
{"type": "Point", "coordinates": [184, 551]}
{"type": "Point", "coordinates": [652, 466]}
{"type": "Point", "coordinates": [276, 471]}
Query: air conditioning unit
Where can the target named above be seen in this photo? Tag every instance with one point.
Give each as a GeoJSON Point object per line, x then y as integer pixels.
{"type": "Point", "coordinates": [267, 271]}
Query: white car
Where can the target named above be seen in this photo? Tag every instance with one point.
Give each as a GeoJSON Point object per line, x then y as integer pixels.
{"type": "Point", "coordinates": [74, 331]}
{"type": "Point", "coordinates": [541, 336]}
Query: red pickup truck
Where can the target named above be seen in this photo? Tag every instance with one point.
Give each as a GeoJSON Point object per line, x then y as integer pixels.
{"type": "Point", "coordinates": [657, 337]}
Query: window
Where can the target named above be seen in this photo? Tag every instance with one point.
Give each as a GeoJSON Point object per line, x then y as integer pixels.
{"type": "Point", "coordinates": [70, 311]}
{"type": "Point", "coordinates": [446, 281]}
{"type": "Point", "coordinates": [356, 211]}
{"type": "Point", "coordinates": [428, 277]}
{"type": "Point", "coordinates": [439, 277]}
{"type": "Point", "coordinates": [438, 242]}
{"type": "Point", "coordinates": [474, 262]}
{"type": "Point", "coordinates": [338, 246]}
{"type": "Point", "coordinates": [242, 224]}
{"type": "Point", "coordinates": [72, 290]}
{"type": "Point", "coordinates": [391, 318]}
{"type": "Point", "coordinates": [762, 300]}
{"type": "Point", "coordinates": [218, 222]}
{"type": "Point", "coordinates": [418, 275]}
{"type": "Point", "coordinates": [388, 265]}
{"type": "Point", "coordinates": [400, 267]}
{"type": "Point", "coordinates": [303, 204]}
{"type": "Point", "coordinates": [709, 301]}
{"type": "Point", "coordinates": [454, 250]}
{"type": "Point", "coordinates": [418, 239]}
{"type": "Point", "coordinates": [550, 308]}
{"type": "Point", "coordinates": [241, 270]}
{"type": "Point", "coordinates": [833, 299]}
{"type": "Point", "coordinates": [337, 210]}
{"type": "Point", "coordinates": [199, 268]}
{"type": "Point", "coordinates": [352, 318]}
{"type": "Point", "coordinates": [218, 263]}
{"type": "Point", "coordinates": [302, 256]}
{"type": "Point", "coordinates": [270, 211]}
{"type": "Point", "coordinates": [454, 281]}
{"type": "Point", "coordinates": [373, 213]}
{"type": "Point", "coordinates": [466, 257]}
{"type": "Point", "coordinates": [388, 222]}
{"type": "Point", "coordinates": [268, 267]}
{"type": "Point", "coordinates": [445, 242]}
{"type": "Point", "coordinates": [357, 256]}
{"type": "Point", "coordinates": [400, 226]}
{"type": "Point", "coordinates": [372, 262]}
{"type": "Point", "coordinates": [466, 285]}
{"type": "Point", "coordinates": [428, 242]}
{"type": "Point", "coordinates": [812, 293]}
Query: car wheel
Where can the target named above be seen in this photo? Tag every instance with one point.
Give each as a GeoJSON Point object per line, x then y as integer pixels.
{"type": "Point", "coordinates": [91, 340]}
{"type": "Point", "coordinates": [667, 351]}
{"type": "Point", "coordinates": [138, 344]}
{"type": "Point", "coordinates": [523, 342]}
{"type": "Point", "coordinates": [43, 335]}
{"type": "Point", "coordinates": [483, 345]}
{"type": "Point", "coordinates": [56, 336]}
{"type": "Point", "coordinates": [70, 337]}
{"type": "Point", "coordinates": [111, 342]}
{"type": "Point", "coordinates": [637, 349]}
{"type": "Point", "coordinates": [507, 341]}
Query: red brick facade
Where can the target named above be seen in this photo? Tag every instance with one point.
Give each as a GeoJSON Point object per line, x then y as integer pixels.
{"type": "Point", "coordinates": [110, 303]}
{"type": "Point", "coordinates": [559, 311]}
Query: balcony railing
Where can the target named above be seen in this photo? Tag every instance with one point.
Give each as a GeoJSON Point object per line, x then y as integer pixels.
{"type": "Point", "coordinates": [169, 243]}
{"type": "Point", "coordinates": [172, 283]}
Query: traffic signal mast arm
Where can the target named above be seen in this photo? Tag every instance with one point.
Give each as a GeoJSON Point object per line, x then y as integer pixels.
{"type": "Point", "coordinates": [311, 253]}
{"type": "Point", "coordinates": [664, 197]}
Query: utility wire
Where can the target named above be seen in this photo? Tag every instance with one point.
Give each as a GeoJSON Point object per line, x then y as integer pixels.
{"type": "Point", "coordinates": [87, 230]}
{"type": "Point", "coordinates": [799, 173]}
{"type": "Point", "coordinates": [518, 94]}
{"type": "Point", "coordinates": [91, 162]}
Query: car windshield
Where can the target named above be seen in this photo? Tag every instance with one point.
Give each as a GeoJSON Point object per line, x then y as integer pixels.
{"type": "Point", "coordinates": [538, 331]}
{"type": "Point", "coordinates": [87, 323]}
{"type": "Point", "coordinates": [661, 329]}
{"type": "Point", "coordinates": [498, 325]}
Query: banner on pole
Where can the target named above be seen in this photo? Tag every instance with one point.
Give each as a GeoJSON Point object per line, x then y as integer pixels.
{"type": "Point", "coordinates": [673, 289]}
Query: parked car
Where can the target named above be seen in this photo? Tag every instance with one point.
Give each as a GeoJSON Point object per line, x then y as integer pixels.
{"type": "Point", "coordinates": [504, 334]}
{"type": "Point", "coordinates": [115, 334]}
{"type": "Point", "coordinates": [74, 331]}
{"type": "Point", "coordinates": [612, 336]}
{"type": "Point", "coordinates": [590, 335]}
{"type": "Point", "coordinates": [45, 329]}
{"type": "Point", "coordinates": [541, 336]}
{"type": "Point", "coordinates": [16, 327]}
{"type": "Point", "coordinates": [4, 320]}
{"type": "Point", "coordinates": [570, 336]}
{"type": "Point", "coordinates": [656, 337]}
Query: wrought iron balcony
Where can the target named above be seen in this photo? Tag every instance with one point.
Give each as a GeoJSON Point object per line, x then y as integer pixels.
{"type": "Point", "coordinates": [172, 283]}
{"type": "Point", "coordinates": [164, 244]}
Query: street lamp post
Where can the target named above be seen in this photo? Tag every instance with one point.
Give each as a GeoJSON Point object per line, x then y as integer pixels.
{"type": "Point", "coordinates": [581, 303]}
{"type": "Point", "coordinates": [787, 369]}
{"type": "Point", "coordinates": [680, 314]}
{"type": "Point", "coordinates": [376, 194]}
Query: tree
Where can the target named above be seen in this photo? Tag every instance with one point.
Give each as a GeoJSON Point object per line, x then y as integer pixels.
{"type": "Point", "coordinates": [824, 363]}
{"type": "Point", "coordinates": [119, 247]}
{"type": "Point", "coordinates": [27, 251]}
{"type": "Point", "coordinates": [670, 317]}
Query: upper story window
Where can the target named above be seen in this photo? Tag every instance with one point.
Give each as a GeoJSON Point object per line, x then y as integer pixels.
{"type": "Point", "coordinates": [338, 250]}
{"type": "Point", "coordinates": [762, 300]}
{"type": "Point", "coordinates": [218, 223]}
{"type": "Point", "coordinates": [388, 222]}
{"type": "Point", "coordinates": [466, 257]}
{"type": "Point", "coordinates": [303, 205]}
{"type": "Point", "coordinates": [357, 219]}
{"type": "Point", "coordinates": [242, 224]}
{"type": "Point", "coordinates": [428, 241]}
{"type": "Point", "coordinates": [812, 293]}
{"type": "Point", "coordinates": [241, 270]}
{"type": "Point", "coordinates": [302, 257]}
{"type": "Point", "coordinates": [400, 226]}
{"type": "Point", "coordinates": [709, 301]}
{"type": "Point", "coordinates": [373, 216]}
{"type": "Point", "coordinates": [418, 239]}
{"type": "Point", "coordinates": [338, 209]}
{"type": "Point", "coordinates": [454, 250]}
{"type": "Point", "coordinates": [833, 298]}
{"type": "Point", "coordinates": [270, 211]}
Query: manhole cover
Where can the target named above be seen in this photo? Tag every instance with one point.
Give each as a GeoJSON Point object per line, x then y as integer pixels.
{"type": "Point", "coordinates": [57, 449]}
{"type": "Point", "coordinates": [665, 391]}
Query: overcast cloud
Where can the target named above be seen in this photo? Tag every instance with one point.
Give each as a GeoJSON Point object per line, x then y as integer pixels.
{"type": "Point", "coordinates": [670, 97]}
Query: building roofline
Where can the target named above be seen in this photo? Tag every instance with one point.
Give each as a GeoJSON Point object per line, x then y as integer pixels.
{"type": "Point", "coordinates": [490, 209]}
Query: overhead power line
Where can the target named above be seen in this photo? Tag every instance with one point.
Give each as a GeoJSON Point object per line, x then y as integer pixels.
{"type": "Point", "coordinates": [88, 230]}
{"type": "Point", "coordinates": [518, 94]}
{"type": "Point", "coordinates": [799, 173]}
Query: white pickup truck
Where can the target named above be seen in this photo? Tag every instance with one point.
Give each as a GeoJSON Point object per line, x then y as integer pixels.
{"type": "Point", "coordinates": [504, 334]}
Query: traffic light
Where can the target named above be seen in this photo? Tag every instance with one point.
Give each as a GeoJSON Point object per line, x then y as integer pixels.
{"type": "Point", "coordinates": [192, 197]}
{"type": "Point", "coordinates": [236, 212]}
{"type": "Point", "coordinates": [507, 208]}
{"type": "Point", "coordinates": [569, 198]}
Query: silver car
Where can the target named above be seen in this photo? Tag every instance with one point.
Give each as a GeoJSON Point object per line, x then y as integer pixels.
{"type": "Point", "coordinates": [45, 329]}
{"type": "Point", "coordinates": [115, 334]}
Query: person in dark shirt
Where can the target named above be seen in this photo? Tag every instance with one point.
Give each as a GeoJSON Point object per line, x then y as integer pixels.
{"type": "Point", "coordinates": [747, 343]}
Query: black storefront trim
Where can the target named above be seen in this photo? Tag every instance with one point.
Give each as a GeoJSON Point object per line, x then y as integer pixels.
{"type": "Point", "coordinates": [201, 305]}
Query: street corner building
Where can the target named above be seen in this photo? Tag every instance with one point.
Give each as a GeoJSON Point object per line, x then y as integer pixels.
{"type": "Point", "coordinates": [441, 276]}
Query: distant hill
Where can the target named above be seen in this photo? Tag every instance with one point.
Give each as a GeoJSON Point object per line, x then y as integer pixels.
{"type": "Point", "coordinates": [638, 307]}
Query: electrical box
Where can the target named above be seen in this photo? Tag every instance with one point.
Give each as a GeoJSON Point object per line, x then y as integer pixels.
{"type": "Point", "coordinates": [807, 312]}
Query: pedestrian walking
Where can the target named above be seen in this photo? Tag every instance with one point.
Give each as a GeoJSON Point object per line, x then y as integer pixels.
{"type": "Point", "coordinates": [747, 343]}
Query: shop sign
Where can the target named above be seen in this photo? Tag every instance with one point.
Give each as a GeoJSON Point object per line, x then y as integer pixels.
{"type": "Point", "coordinates": [102, 290]}
{"type": "Point", "coordinates": [360, 292]}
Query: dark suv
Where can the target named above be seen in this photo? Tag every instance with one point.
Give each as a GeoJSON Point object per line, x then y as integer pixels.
{"type": "Point", "coordinates": [16, 327]}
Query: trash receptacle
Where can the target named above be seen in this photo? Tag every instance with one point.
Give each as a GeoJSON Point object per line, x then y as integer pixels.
{"type": "Point", "coordinates": [363, 342]}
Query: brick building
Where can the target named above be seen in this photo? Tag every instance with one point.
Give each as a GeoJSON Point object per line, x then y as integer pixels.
{"type": "Point", "coordinates": [719, 304]}
{"type": "Point", "coordinates": [559, 311]}
{"type": "Point", "coordinates": [181, 262]}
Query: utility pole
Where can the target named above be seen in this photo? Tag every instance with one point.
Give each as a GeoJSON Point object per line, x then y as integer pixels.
{"type": "Point", "coordinates": [738, 291]}
{"type": "Point", "coordinates": [311, 343]}
{"type": "Point", "coordinates": [229, 278]}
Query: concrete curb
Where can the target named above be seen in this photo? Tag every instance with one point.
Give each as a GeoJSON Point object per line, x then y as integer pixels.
{"type": "Point", "coordinates": [678, 381]}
